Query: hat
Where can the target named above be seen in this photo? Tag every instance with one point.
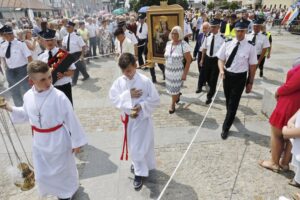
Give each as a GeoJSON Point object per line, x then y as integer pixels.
{"type": "Point", "coordinates": [215, 22]}
{"type": "Point", "coordinates": [241, 25]}
{"type": "Point", "coordinates": [258, 21]}
{"type": "Point", "coordinates": [48, 34]}
{"type": "Point", "coordinates": [70, 23]}
{"type": "Point", "coordinates": [121, 24]}
{"type": "Point", "coordinates": [142, 16]}
{"type": "Point", "coordinates": [6, 29]}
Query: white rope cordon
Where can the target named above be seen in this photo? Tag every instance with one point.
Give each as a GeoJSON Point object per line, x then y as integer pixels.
{"type": "Point", "coordinates": [188, 148]}
{"type": "Point", "coordinates": [10, 88]}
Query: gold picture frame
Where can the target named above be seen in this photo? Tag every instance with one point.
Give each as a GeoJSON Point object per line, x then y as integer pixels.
{"type": "Point", "coordinates": [160, 20]}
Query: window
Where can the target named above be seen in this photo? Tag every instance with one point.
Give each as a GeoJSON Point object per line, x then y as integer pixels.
{"type": "Point", "coordinates": [270, 6]}
{"type": "Point", "coordinates": [280, 6]}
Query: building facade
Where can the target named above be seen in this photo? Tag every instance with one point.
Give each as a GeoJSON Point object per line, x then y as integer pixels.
{"type": "Point", "coordinates": [277, 3]}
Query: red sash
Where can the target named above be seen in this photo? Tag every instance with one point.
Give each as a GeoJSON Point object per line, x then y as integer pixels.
{"type": "Point", "coordinates": [125, 145]}
{"type": "Point", "coordinates": [48, 130]}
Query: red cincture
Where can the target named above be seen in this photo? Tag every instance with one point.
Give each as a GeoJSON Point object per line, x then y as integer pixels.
{"type": "Point", "coordinates": [125, 145]}
{"type": "Point", "coordinates": [48, 130]}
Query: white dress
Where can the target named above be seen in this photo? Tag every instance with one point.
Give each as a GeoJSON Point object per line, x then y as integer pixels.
{"type": "Point", "coordinates": [296, 152]}
{"type": "Point", "coordinates": [174, 55]}
{"type": "Point", "coordinates": [54, 164]}
{"type": "Point", "coordinates": [140, 129]}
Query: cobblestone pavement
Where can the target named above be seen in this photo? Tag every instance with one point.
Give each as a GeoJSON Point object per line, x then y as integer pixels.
{"type": "Point", "coordinates": [213, 169]}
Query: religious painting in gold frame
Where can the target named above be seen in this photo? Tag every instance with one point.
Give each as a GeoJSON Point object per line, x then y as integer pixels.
{"type": "Point", "coordinates": [160, 21]}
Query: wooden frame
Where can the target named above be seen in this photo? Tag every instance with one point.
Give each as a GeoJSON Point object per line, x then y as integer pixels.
{"type": "Point", "coordinates": [160, 21]}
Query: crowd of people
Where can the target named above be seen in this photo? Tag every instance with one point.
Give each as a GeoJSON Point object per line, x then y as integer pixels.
{"type": "Point", "coordinates": [230, 45]}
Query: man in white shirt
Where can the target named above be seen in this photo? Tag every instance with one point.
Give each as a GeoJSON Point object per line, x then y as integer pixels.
{"type": "Point", "coordinates": [237, 58]}
{"type": "Point", "coordinates": [142, 35]}
{"type": "Point", "coordinates": [16, 55]}
{"type": "Point", "coordinates": [261, 42]}
{"type": "Point", "coordinates": [91, 27]}
{"type": "Point", "coordinates": [63, 78]}
{"type": "Point", "coordinates": [74, 44]}
{"type": "Point", "coordinates": [210, 46]}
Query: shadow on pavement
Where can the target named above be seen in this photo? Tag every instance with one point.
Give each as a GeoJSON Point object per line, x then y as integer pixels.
{"type": "Point", "coordinates": [95, 163]}
{"type": "Point", "coordinates": [248, 135]}
{"type": "Point", "coordinates": [81, 195]}
{"type": "Point", "coordinates": [156, 182]}
{"type": "Point", "coordinates": [89, 85]}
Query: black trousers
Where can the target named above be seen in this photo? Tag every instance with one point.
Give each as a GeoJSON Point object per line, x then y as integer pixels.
{"type": "Point", "coordinates": [233, 84]}
{"type": "Point", "coordinates": [152, 71]}
{"type": "Point", "coordinates": [212, 74]}
{"type": "Point", "coordinates": [93, 46]}
{"type": "Point", "coordinates": [201, 69]}
{"type": "Point", "coordinates": [194, 34]}
{"type": "Point", "coordinates": [67, 89]}
{"type": "Point", "coordinates": [141, 50]}
{"type": "Point", "coordinates": [261, 65]}
{"type": "Point", "coordinates": [80, 67]}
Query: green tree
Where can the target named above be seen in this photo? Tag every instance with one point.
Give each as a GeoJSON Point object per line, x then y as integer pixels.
{"type": "Point", "coordinates": [234, 5]}
{"type": "Point", "coordinates": [137, 4]}
{"type": "Point", "coordinates": [210, 5]}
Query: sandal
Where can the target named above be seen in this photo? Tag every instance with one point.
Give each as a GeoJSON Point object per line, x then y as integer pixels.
{"type": "Point", "coordinates": [273, 167]}
{"type": "Point", "coordinates": [294, 183]}
{"type": "Point", "coordinates": [284, 168]}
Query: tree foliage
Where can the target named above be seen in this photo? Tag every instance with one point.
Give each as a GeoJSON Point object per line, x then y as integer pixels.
{"type": "Point", "coordinates": [210, 5]}
{"type": "Point", "coordinates": [135, 5]}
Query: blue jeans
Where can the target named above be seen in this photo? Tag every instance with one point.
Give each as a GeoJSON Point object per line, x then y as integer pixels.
{"type": "Point", "coordinates": [13, 76]}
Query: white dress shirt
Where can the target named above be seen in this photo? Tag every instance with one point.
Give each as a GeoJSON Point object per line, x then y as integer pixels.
{"type": "Point", "coordinates": [246, 55]}
{"type": "Point", "coordinates": [219, 40]}
{"type": "Point", "coordinates": [19, 53]}
{"type": "Point", "coordinates": [76, 42]}
{"type": "Point", "coordinates": [126, 47]}
{"type": "Point", "coordinates": [44, 57]}
{"type": "Point", "coordinates": [261, 41]}
{"type": "Point", "coordinates": [131, 37]}
{"type": "Point", "coordinates": [144, 34]}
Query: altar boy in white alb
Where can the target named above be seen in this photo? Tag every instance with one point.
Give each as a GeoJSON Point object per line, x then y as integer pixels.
{"type": "Point", "coordinates": [135, 95]}
{"type": "Point", "coordinates": [57, 133]}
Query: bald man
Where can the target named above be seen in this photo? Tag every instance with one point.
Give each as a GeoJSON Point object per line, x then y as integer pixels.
{"type": "Point", "coordinates": [198, 51]}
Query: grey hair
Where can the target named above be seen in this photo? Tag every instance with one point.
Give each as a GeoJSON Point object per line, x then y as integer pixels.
{"type": "Point", "coordinates": [178, 30]}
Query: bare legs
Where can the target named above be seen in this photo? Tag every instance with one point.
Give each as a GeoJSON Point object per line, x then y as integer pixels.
{"type": "Point", "coordinates": [279, 147]}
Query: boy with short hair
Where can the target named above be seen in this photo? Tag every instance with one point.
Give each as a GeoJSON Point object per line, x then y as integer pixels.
{"type": "Point", "coordinates": [135, 95]}
{"type": "Point", "coordinates": [57, 133]}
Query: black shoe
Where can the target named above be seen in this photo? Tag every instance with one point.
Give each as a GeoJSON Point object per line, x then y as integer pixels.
{"type": "Point", "coordinates": [164, 77]}
{"type": "Point", "coordinates": [224, 134]}
{"type": "Point", "coordinates": [154, 80]}
{"type": "Point", "coordinates": [86, 78]}
{"type": "Point", "coordinates": [178, 98]}
{"type": "Point", "coordinates": [64, 199]}
{"type": "Point", "coordinates": [208, 101]}
{"type": "Point", "coordinates": [132, 168]}
{"type": "Point", "coordinates": [261, 74]}
{"type": "Point", "coordinates": [199, 90]}
{"type": "Point", "coordinates": [138, 182]}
